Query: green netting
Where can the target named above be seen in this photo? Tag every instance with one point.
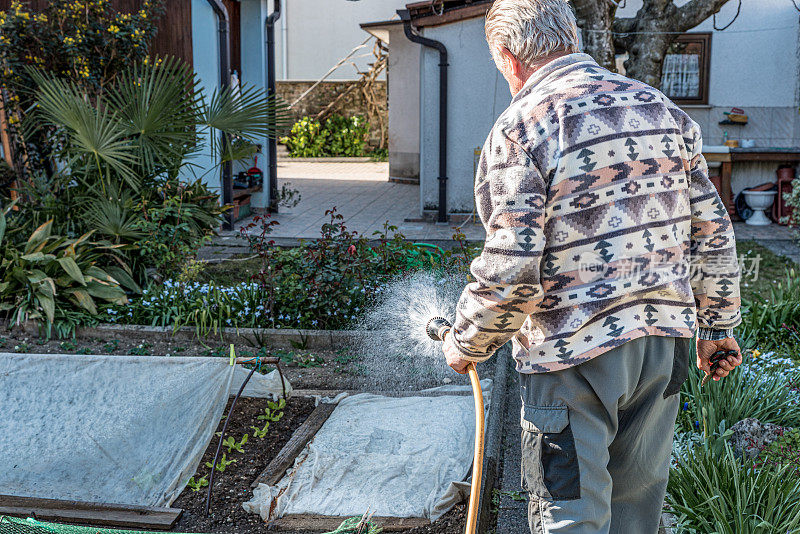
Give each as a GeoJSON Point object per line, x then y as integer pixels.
{"type": "Point", "coordinates": [15, 525]}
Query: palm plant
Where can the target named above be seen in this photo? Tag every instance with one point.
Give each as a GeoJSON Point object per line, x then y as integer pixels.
{"type": "Point", "coordinates": [128, 152]}
{"type": "Point", "coordinates": [151, 122]}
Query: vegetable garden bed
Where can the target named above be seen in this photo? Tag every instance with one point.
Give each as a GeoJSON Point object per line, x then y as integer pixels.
{"type": "Point", "coordinates": [232, 486]}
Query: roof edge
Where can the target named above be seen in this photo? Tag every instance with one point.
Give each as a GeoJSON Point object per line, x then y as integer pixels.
{"type": "Point", "coordinates": [423, 14]}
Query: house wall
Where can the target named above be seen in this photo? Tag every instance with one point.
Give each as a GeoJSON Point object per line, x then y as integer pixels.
{"type": "Point", "coordinates": [477, 95]}
{"type": "Point", "coordinates": [404, 110]}
{"type": "Point", "coordinates": [334, 26]}
{"type": "Point", "coordinates": [754, 66]}
{"type": "Point", "coordinates": [254, 73]}
{"type": "Point", "coordinates": [205, 53]}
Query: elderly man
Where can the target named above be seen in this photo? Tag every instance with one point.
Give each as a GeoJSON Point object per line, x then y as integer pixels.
{"type": "Point", "coordinates": [607, 251]}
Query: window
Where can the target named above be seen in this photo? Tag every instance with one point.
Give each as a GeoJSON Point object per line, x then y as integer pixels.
{"type": "Point", "coordinates": [684, 77]}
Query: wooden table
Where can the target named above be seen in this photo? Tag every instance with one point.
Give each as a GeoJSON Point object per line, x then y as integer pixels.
{"type": "Point", "coordinates": [777, 155]}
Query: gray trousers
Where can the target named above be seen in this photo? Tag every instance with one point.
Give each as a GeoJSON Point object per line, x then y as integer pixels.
{"type": "Point", "coordinates": [597, 438]}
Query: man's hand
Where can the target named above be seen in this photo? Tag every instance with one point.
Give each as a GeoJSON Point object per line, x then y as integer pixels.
{"type": "Point", "coordinates": [705, 349]}
{"type": "Point", "coordinates": [453, 355]}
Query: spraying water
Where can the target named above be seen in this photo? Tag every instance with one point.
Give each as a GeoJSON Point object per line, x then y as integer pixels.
{"type": "Point", "coordinates": [396, 352]}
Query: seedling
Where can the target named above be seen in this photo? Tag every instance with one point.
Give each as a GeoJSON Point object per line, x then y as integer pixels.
{"type": "Point", "coordinates": [111, 346]}
{"type": "Point", "coordinates": [260, 432]}
{"type": "Point", "coordinates": [178, 349]}
{"type": "Point", "coordinates": [344, 358]}
{"type": "Point", "coordinates": [300, 345]}
{"type": "Point", "coordinates": [142, 349]}
{"type": "Point", "coordinates": [22, 347]}
{"type": "Point", "coordinates": [273, 412]}
{"type": "Point", "coordinates": [85, 350]}
{"type": "Point", "coordinates": [308, 360]}
{"type": "Point", "coordinates": [232, 445]}
{"type": "Point", "coordinates": [68, 346]}
{"type": "Point", "coordinates": [196, 485]}
{"type": "Point", "coordinates": [222, 464]}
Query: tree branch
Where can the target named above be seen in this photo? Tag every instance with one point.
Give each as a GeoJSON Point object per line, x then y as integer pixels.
{"type": "Point", "coordinates": [696, 11]}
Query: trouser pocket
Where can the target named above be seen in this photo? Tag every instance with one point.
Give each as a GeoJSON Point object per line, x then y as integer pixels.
{"type": "Point", "coordinates": [550, 468]}
{"type": "Point", "coordinates": [680, 366]}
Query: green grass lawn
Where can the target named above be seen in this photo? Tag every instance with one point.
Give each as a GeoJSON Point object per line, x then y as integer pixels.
{"type": "Point", "coordinates": [771, 270]}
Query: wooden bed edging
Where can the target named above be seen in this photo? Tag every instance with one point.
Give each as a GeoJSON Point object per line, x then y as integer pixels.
{"type": "Point", "coordinates": [101, 514]}
{"type": "Point", "coordinates": [325, 523]}
{"type": "Point", "coordinates": [285, 458]}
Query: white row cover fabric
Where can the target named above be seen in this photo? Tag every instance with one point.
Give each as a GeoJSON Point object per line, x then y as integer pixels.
{"type": "Point", "coordinates": [260, 386]}
{"type": "Point", "coordinates": [111, 429]}
{"type": "Point", "coordinates": [396, 457]}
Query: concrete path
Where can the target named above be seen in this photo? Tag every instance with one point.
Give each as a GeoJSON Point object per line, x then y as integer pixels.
{"type": "Point", "coordinates": [362, 193]}
{"type": "Point", "coordinates": [779, 239]}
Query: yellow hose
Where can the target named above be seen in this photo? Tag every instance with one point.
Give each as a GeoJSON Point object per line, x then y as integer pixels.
{"type": "Point", "coordinates": [477, 463]}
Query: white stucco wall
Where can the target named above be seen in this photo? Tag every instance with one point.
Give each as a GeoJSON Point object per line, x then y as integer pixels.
{"type": "Point", "coordinates": [404, 116]}
{"type": "Point", "coordinates": [477, 95]}
{"type": "Point", "coordinates": [205, 52]}
{"type": "Point", "coordinates": [755, 61]}
{"type": "Point", "coordinates": [254, 73]}
{"type": "Point", "coordinates": [318, 33]}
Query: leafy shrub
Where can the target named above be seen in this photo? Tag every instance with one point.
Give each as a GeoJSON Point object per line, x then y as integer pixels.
{"type": "Point", "coordinates": [785, 451]}
{"type": "Point", "coordinates": [338, 137]}
{"type": "Point", "coordinates": [326, 283]}
{"type": "Point", "coordinates": [45, 277]}
{"type": "Point", "coordinates": [86, 40]}
{"type": "Point", "coordinates": [710, 490]}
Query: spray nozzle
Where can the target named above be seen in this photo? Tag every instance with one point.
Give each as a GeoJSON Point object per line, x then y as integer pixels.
{"type": "Point", "coordinates": [437, 328]}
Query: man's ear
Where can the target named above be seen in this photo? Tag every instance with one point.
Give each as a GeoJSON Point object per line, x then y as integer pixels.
{"type": "Point", "coordinates": [512, 63]}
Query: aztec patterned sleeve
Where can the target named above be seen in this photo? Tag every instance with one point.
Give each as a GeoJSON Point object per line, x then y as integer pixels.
{"type": "Point", "coordinates": [510, 195]}
{"type": "Point", "coordinates": [715, 270]}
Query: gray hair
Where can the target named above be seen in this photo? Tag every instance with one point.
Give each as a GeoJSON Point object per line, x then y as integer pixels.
{"type": "Point", "coordinates": [531, 29]}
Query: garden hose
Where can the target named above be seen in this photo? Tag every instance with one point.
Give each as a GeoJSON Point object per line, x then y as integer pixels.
{"type": "Point", "coordinates": [437, 328]}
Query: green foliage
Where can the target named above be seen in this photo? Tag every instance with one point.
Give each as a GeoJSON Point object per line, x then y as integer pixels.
{"type": "Point", "coordinates": [260, 432]}
{"type": "Point", "coordinates": [197, 485]}
{"type": "Point", "coordinates": [232, 445]}
{"type": "Point", "coordinates": [710, 490]}
{"type": "Point", "coordinates": [85, 40]}
{"type": "Point", "coordinates": [222, 463]}
{"type": "Point", "coordinates": [47, 275]}
{"type": "Point", "coordinates": [339, 136]}
{"type": "Point", "coordinates": [772, 321]}
{"type": "Point", "coordinates": [785, 451]}
{"type": "Point", "coordinates": [273, 412]}
{"type": "Point", "coordinates": [754, 390]}
{"type": "Point", "coordinates": [142, 349]}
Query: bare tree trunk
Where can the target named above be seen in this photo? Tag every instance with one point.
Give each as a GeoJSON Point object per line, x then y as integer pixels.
{"type": "Point", "coordinates": [595, 18]}
{"type": "Point", "coordinates": [646, 37]}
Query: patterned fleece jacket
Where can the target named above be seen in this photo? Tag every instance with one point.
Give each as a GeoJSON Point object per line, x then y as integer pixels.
{"type": "Point", "coordinates": [602, 225]}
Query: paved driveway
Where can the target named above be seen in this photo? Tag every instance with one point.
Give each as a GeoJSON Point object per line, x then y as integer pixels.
{"type": "Point", "coordinates": [362, 193]}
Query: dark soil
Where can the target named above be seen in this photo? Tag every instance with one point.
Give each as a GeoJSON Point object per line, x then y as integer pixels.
{"type": "Point", "coordinates": [452, 522]}
{"type": "Point", "coordinates": [232, 487]}
{"type": "Point", "coordinates": [305, 369]}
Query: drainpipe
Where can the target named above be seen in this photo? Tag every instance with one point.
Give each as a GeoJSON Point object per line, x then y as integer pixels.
{"type": "Point", "coordinates": [272, 142]}
{"type": "Point", "coordinates": [225, 82]}
{"type": "Point", "coordinates": [405, 16]}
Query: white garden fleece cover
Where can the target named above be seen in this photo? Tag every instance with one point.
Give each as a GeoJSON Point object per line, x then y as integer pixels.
{"type": "Point", "coordinates": [111, 429]}
{"type": "Point", "coordinates": [396, 457]}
